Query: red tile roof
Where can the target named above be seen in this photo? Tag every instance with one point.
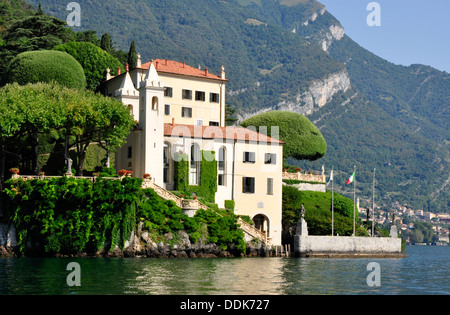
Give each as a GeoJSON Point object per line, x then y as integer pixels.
{"type": "Point", "coordinates": [214, 132]}
{"type": "Point", "coordinates": [175, 67]}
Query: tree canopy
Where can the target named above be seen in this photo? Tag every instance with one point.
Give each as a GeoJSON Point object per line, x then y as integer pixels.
{"type": "Point", "coordinates": [93, 59]}
{"type": "Point", "coordinates": [81, 116]}
{"type": "Point", "coordinates": [303, 139]}
{"type": "Point", "coordinates": [46, 66]}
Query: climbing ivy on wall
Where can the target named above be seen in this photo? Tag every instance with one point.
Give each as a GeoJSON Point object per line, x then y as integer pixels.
{"type": "Point", "coordinates": [207, 187]}
{"type": "Point", "coordinates": [68, 215]}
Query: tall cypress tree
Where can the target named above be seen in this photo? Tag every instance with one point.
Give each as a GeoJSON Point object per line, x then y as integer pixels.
{"type": "Point", "coordinates": [106, 43]}
{"type": "Point", "coordinates": [132, 57]}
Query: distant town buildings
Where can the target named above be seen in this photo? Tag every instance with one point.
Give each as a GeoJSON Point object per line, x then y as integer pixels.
{"type": "Point", "coordinates": [404, 218]}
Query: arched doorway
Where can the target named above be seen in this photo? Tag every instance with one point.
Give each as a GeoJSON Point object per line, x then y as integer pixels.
{"type": "Point", "coordinates": [262, 223]}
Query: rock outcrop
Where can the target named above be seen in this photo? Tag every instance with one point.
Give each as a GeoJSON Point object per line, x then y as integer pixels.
{"type": "Point", "coordinates": [319, 93]}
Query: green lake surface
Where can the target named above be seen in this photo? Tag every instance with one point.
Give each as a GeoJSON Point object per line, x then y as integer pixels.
{"type": "Point", "coordinates": [425, 271]}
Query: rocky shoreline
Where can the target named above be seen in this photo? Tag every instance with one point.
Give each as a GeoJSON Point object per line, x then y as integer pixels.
{"type": "Point", "coordinates": [160, 251]}
{"type": "Point", "coordinates": [173, 246]}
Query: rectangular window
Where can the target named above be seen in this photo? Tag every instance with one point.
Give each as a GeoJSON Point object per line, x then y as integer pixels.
{"type": "Point", "coordinates": [214, 123]}
{"type": "Point", "coordinates": [200, 96]}
{"type": "Point", "coordinates": [168, 92]}
{"type": "Point", "coordinates": [166, 110]}
{"type": "Point", "coordinates": [248, 185]}
{"type": "Point", "coordinates": [249, 157]}
{"type": "Point", "coordinates": [270, 158]}
{"type": "Point", "coordinates": [199, 122]}
{"type": "Point", "coordinates": [221, 180]}
{"type": "Point", "coordinates": [270, 186]}
{"type": "Point", "coordinates": [130, 152]}
{"type": "Point", "coordinates": [187, 94]}
{"type": "Point", "coordinates": [186, 112]}
{"type": "Point", "coordinates": [214, 97]}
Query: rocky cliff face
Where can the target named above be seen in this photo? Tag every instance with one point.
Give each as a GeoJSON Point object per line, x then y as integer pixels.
{"type": "Point", "coordinates": [319, 93]}
{"type": "Point", "coordinates": [336, 32]}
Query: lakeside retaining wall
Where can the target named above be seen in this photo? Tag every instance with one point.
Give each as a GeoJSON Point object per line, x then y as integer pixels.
{"type": "Point", "coordinates": [347, 246]}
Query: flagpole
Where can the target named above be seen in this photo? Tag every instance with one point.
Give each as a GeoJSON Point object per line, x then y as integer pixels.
{"type": "Point", "coordinates": [373, 202]}
{"type": "Point", "coordinates": [354, 202]}
{"type": "Point", "coordinates": [332, 203]}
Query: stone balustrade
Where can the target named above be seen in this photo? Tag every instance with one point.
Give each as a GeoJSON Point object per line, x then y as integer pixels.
{"type": "Point", "coordinates": [304, 177]}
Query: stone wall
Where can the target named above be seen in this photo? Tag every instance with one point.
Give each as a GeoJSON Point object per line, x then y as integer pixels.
{"type": "Point", "coordinates": [343, 246]}
{"type": "Point", "coordinates": [308, 186]}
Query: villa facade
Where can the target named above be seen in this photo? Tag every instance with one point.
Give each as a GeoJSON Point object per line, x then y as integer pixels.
{"type": "Point", "coordinates": [181, 110]}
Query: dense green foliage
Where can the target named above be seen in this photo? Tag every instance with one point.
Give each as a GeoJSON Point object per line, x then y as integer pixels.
{"type": "Point", "coordinates": [422, 233]}
{"type": "Point", "coordinates": [13, 10]}
{"type": "Point", "coordinates": [46, 66]}
{"type": "Point", "coordinates": [207, 186]}
{"type": "Point", "coordinates": [303, 140]}
{"type": "Point", "coordinates": [70, 216]}
{"type": "Point", "coordinates": [70, 116]}
{"type": "Point", "coordinates": [318, 213]}
{"type": "Point", "coordinates": [94, 61]}
{"type": "Point", "coordinates": [27, 31]}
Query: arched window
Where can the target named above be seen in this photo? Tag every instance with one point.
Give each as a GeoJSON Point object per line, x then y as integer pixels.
{"type": "Point", "coordinates": [194, 168]}
{"type": "Point", "coordinates": [221, 171]}
{"type": "Point", "coordinates": [155, 103]}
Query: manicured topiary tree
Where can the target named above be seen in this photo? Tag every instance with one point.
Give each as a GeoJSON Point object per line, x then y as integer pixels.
{"type": "Point", "coordinates": [46, 66]}
{"type": "Point", "coordinates": [303, 139]}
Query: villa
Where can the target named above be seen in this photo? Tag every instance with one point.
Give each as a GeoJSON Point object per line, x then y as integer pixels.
{"type": "Point", "coordinates": [180, 114]}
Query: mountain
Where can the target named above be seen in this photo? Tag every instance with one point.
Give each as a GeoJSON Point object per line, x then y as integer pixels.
{"type": "Point", "coordinates": [294, 55]}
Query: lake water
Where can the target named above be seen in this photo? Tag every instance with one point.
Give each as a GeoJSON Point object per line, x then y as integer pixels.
{"type": "Point", "coordinates": [425, 271]}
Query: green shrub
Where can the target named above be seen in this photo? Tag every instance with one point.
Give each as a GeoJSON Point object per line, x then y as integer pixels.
{"type": "Point", "coordinates": [303, 140]}
{"type": "Point", "coordinates": [94, 61]}
{"type": "Point", "coordinates": [46, 66]}
{"type": "Point", "coordinates": [229, 205]}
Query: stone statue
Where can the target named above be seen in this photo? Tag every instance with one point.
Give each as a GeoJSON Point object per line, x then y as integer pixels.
{"type": "Point", "coordinates": [302, 227]}
{"type": "Point", "coordinates": [69, 165]}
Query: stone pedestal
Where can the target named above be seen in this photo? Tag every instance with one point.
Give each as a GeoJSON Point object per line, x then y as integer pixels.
{"type": "Point", "coordinates": [302, 228]}
{"type": "Point", "coordinates": [393, 232]}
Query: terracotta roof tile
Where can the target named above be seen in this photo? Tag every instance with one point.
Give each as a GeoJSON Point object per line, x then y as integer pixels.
{"type": "Point", "coordinates": [211, 132]}
{"type": "Point", "coordinates": [175, 67]}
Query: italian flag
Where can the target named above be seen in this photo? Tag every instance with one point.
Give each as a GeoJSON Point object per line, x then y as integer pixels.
{"type": "Point", "coordinates": [351, 179]}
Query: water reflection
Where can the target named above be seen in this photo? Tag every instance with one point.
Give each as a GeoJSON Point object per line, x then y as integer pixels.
{"type": "Point", "coordinates": [425, 271]}
{"type": "Point", "coordinates": [210, 276]}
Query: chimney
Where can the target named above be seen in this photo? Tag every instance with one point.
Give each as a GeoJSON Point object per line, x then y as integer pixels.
{"type": "Point", "coordinates": [184, 64]}
{"type": "Point", "coordinates": [167, 62]}
{"type": "Point", "coordinates": [173, 121]}
{"type": "Point", "coordinates": [138, 62]}
{"type": "Point", "coordinates": [222, 73]}
{"type": "Point", "coordinates": [157, 65]}
{"type": "Point", "coordinates": [118, 70]}
{"type": "Point", "coordinates": [206, 72]}
{"type": "Point", "coordinates": [127, 67]}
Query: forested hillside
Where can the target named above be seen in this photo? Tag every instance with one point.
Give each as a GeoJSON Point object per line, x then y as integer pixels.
{"type": "Point", "coordinates": [394, 118]}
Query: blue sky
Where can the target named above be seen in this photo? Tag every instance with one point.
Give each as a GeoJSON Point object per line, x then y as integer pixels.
{"type": "Point", "coordinates": [411, 31]}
